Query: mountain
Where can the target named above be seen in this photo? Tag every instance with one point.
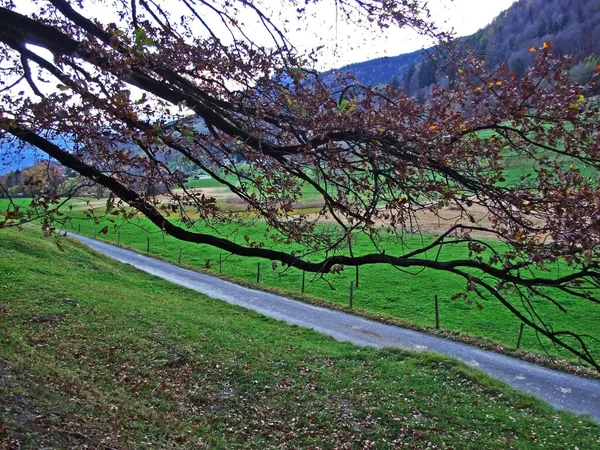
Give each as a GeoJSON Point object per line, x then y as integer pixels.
{"type": "Point", "coordinates": [382, 70]}
{"type": "Point", "coordinates": [572, 26]}
{"type": "Point", "coordinates": [13, 158]}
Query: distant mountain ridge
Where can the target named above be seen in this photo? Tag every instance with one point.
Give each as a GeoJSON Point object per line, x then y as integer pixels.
{"type": "Point", "coordinates": [572, 26]}
{"type": "Point", "coordinates": [383, 70]}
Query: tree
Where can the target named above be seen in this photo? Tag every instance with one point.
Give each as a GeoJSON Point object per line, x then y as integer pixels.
{"type": "Point", "coordinates": [42, 175]}
{"type": "Point", "coordinates": [542, 29]}
{"type": "Point", "coordinates": [585, 70]}
{"type": "Point", "coordinates": [518, 67]}
{"type": "Point", "coordinates": [130, 93]}
{"type": "Point", "coordinates": [427, 73]}
{"type": "Point", "coordinates": [408, 78]}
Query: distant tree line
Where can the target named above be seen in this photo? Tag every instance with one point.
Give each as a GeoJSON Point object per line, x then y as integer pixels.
{"type": "Point", "coordinates": [31, 181]}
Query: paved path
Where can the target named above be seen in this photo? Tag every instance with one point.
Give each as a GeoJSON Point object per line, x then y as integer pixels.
{"type": "Point", "coordinates": [562, 390]}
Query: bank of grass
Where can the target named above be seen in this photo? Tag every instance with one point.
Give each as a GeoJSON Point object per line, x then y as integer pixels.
{"type": "Point", "coordinates": [94, 354]}
{"type": "Point", "coordinates": [382, 290]}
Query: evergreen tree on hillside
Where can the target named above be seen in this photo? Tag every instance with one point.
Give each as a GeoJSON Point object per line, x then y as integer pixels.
{"type": "Point", "coordinates": [518, 67]}
{"type": "Point", "coordinates": [427, 73]}
{"type": "Point", "coordinates": [408, 77]}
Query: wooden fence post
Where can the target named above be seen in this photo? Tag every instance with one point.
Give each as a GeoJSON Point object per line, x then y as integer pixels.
{"type": "Point", "coordinates": [258, 273]}
{"type": "Point", "coordinates": [220, 263]}
{"type": "Point", "coordinates": [520, 335]}
{"type": "Point", "coordinates": [351, 293]}
{"type": "Point", "coordinates": [180, 251]}
{"type": "Point", "coordinates": [437, 313]}
{"type": "Point", "coordinates": [148, 244]}
{"type": "Point", "coordinates": [303, 280]}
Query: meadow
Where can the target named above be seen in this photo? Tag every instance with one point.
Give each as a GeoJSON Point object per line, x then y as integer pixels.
{"type": "Point", "coordinates": [95, 354]}
{"type": "Point", "coordinates": [383, 291]}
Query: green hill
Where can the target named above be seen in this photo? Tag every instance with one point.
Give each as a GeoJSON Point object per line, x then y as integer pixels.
{"type": "Point", "coordinates": [96, 354]}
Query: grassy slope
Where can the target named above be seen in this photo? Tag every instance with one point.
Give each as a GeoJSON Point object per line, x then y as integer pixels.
{"type": "Point", "coordinates": [95, 353]}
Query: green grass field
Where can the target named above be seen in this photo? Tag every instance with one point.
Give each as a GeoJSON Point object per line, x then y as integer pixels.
{"type": "Point", "coordinates": [94, 354]}
{"type": "Point", "coordinates": [382, 290]}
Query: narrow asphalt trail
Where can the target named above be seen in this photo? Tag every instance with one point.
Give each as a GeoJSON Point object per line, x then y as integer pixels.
{"type": "Point", "coordinates": [562, 390]}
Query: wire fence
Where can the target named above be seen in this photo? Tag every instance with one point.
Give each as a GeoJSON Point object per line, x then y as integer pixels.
{"type": "Point", "coordinates": [220, 262]}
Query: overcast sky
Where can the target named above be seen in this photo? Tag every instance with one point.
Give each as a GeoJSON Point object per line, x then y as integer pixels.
{"type": "Point", "coordinates": [344, 45]}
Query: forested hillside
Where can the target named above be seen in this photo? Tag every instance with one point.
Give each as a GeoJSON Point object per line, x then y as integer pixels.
{"type": "Point", "coordinates": [572, 27]}
{"type": "Point", "coordinates": [384, 70]}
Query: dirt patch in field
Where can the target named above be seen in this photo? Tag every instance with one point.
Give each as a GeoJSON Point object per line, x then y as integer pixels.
{"type": "Point", "coordinates": [443, 220]}
{"type": "Point", "coordinates": [425, 221]}
{"type": "Point", "coordinates": [87, 203]}
{"type": "Point", "coordinates": [218, 193]}
{"type": "Point", "coordinates": [224, 194]}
